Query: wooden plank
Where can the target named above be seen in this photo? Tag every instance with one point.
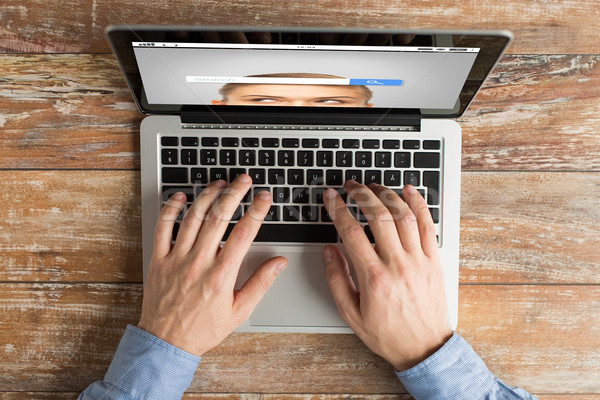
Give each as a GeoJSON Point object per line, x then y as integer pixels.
{"type": "Point", "coordinates": [84, 226]}
{"type": "Point", "coordinates": [75, 111]}
{"type": "Point", "coordinates": [74, 395]}
{"type": "Point", "coordinates": [542, 338]}
{"type": "Point", "coordinates": [569, 26]}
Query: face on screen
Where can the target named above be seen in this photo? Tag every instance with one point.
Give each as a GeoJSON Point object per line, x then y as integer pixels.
{"type": "Point", "coordinates": [294, 95]}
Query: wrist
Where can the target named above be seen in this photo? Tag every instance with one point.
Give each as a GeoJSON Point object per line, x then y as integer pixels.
{"type": "Point", "coordinates": [408, 361]}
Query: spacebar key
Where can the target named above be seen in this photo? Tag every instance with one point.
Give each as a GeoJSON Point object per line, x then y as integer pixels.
{"type": "Point", "coordinates": [305, 233]}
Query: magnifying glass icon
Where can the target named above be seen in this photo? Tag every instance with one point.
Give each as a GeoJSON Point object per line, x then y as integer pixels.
{"type": "Point", "coordinates": [374, 82]}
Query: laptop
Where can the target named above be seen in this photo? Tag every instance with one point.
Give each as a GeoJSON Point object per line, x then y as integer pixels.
{"type": "Point", "coordinates": [301, 110]}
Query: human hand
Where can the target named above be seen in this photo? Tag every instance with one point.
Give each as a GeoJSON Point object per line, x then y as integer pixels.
{"type": "Point", "coordinates": [400, 310]}
{"type": "Point", "coordinates": [189, 298]}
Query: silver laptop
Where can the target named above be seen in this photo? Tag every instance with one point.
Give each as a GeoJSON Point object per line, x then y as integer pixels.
{"type": "Point", "coordinates": [301, 110]}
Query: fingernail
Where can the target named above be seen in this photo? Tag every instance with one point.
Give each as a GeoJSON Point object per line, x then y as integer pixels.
{"type": "Point", "coordinates": [263, 195]}
{"type": "Point", "coordinates": [220, 183]}
{"type": "Point", "coordinates": [330, 193]}
{"type": "Point", "coordinates": [411, 189]}
{"type": "Point", "coordinates": [244, 178]}
{"type": "Point", "coordinates": [178, 196]}
{"type": "Point", "coordinates": [280, 266]}
{"type": "Point", "coordinates": [328, 254]}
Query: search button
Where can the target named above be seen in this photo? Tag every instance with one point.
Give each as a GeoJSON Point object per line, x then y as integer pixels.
{"type": "Point", "coordinates": [376, 82]}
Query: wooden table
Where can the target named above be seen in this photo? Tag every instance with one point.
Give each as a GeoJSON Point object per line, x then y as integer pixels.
{"type": "Point", "coordinates": [70, 237]}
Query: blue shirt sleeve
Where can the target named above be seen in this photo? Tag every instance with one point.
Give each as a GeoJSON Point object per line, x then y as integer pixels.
{"type": "Point", "coordinates": [144, 367]}
{"type": "Point", "coordinates": [453, 372]}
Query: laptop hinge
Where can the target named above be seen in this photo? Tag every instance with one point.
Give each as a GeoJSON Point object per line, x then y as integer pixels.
{"type": "Point", "coordinates": [304, 118]}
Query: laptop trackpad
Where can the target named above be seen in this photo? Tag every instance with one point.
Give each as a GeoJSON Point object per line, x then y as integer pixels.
{"type": "Point", "coordinates": [300, 295]}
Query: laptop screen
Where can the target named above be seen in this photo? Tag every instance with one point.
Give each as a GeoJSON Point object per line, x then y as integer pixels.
{"type": "Point", "coordinates": [222, 71]}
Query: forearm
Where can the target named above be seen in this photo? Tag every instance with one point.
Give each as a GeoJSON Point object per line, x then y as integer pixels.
{"type": "Point", "coordinates": [144, 367]}
{"type": "Point", "coordinates": [456, 371]}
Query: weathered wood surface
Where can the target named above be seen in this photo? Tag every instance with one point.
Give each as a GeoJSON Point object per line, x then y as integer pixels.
{"type": "Point", "coordinates": [568, 26]}
{"type": "Point", "coordinates": [75, 111]}
{"type": "Point", "coordinates": [84, 226]}
{"type": "Point", "coordinates": [68, 333]}
{"type": "Point", "coordinates": [256, 396]}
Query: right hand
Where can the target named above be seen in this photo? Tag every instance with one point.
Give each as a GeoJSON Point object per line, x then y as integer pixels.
{"type": "Point", "coordinates": [400, 310]}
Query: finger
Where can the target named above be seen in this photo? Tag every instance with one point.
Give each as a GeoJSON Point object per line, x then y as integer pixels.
{"type": "Point", "coordinates": [379, 217]}
{"type": "Point", "coordinates": [220, 213]}
{"type": "Point", "coordinates": [419, 207]}
{"type": "Point", "coordinates": [342, 286]}
{"type": "Point", "coordinates": [195, 216]}
{"type": "Point", "coordinates": [241, 237]}
{"type": "Point", "coordinates": [164, 226]}
{"type": "Point", "coordinates": [355, 241]}
{"type": "Point", "coordinates": [254, 289]}
{"type": "Point", "coordinates": [407, 227]}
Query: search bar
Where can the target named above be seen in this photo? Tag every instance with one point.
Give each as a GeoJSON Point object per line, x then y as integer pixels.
{"type": "Point", "coordinates": [292, 81]}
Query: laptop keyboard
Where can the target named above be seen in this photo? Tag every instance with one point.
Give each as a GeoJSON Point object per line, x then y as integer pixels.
{"type": "Point", "coordinates": [297, 171]}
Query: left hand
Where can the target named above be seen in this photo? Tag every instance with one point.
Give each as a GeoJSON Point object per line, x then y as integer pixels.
{"type": "Point", "coordinates": [189, 298]}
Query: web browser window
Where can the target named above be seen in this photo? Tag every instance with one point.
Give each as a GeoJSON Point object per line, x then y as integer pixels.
{"type": "Point", "coordinates": [303, 75]}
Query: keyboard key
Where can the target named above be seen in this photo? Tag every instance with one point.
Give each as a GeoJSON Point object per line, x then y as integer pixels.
{"type": "Point", "coordinates": [235, 172]}
{"type": "Point", "coordinates": [310, 143]}
{"type": "Point", "coordinates": [199, 175]}
{"type": "Point", "coordinates": [270, 142]}
{"type": "Point", "coordinates": [169, 156]}
{"type": "Point", "coordinates": [383, 159]}
{"type": "Point", "coordinates": [431, 144]}
{"type": "Point", "coordinates": [314, 177]}
{"type": "Point", "coordinates": [427, 160]}
{"type": "Point", "coordinates": [174, 175]}
{"type": "Point", "coordinates": [325, 215]}
{"type": "Point", "coordinates": [370, 143]}
{"type": "Point", "coordinates": [288, 142]}
{"type": "Point", "coordinates": [208, 157]}
{"type": "Point", "coordinates": [266, 157]}
{"type": "Point", "coordinates": [291, 213]}
{"type": "Point", "coordinates": [281, 194]}
{"type": "Point", "coordinates": [168, 191]}
{"type": "Point", "coordinates": [273, 214]}
{"type": "Point", "coordinates": [330, 143]}
{"type": "Point", "coordinates": [175, 231]}
{"type": "Point", "coordinates": [300, 195]}
{"type": "Point", "coordinates": [310, 213]}
{"type": "Point", "coordinates": [317, 195]}
{"type": "Point", "coordinates": [306, 158]}
{"type": "Point", "coordinates": [391, 144]}
{"type": "Point", "coordinates": [412, 178]}
{"type": "Point", "coordinates": [189, 156]}
{"type": "Point", "coordinates": [363, 159]}
{"type": "Point", "coordinates": [369, 234]}
{"type": "Point", "coordinates": [285, 158]}
{"type": "Point", "coordinates": [237, 214]}
{"type": "Point", "coordinates": [343, 159]}
{"type": "Point", "coordinates": [230, 142]}
{"type": "Point", "coordinates": [247, 157]}
{"type": "Point", "coordinates": [227, 157]}
{"type": "Point", "coordinates": [402, 159]}
{"type": "Point", "coordinates": [295, 177]}
{"type": "Point", "coordinates": [431, 179]}
{"type": "Point", "coordinates": [209, 141]}
{"type": "Point", "coordinates": [350, 143]}
{"type": "Point", "coordinates": [411, 144]}
{"type": "Point", "coordinates": [354, 175]}
{"type": "Point", "coordinates": [334, 177]}
{"type": "Point", "coordinates": [217, 173]}
{"type": "Point", "coordinates": [190, 141]}
{"type": "Point", "coordinates": [276, 176]}
{"type": "Point", "coordinates": [373, 176]}
{"type": "Point", "coordinates": [250, 142]}
{"type": "Point", "coordinates": [304, 233]}
{"type": "Point", "coordinates": [258, 176]}
{"type": "Point", "coordinates": [324, 158]}
{"type": "Point", "coordinates": [435, 215]}
{"type": "Point", "coordinates": [391, 178]}
{"type": "Point", "coordinates": [169, 141]}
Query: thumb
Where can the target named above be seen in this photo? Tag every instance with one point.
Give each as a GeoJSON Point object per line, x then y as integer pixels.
{"type": "Point", "coordinates": [341, 284]}
{"type": "Point", "coordinates": [253, 290]}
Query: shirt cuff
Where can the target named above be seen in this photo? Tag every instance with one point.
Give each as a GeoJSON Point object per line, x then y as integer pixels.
{"type": "Point", "coordinates": [449, 373]}
{"type": "Point", "coordinates": [146, 367]}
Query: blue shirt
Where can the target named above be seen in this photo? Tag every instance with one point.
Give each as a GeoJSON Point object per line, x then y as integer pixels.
{"type": "Point", "coordinates": [146, 367]}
